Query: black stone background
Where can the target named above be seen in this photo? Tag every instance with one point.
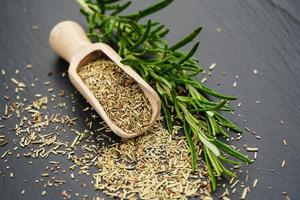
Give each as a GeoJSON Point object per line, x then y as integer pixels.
{"type": "Point", "coordinates": [255, 34]}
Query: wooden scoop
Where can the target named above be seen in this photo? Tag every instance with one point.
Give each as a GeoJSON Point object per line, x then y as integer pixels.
{"type": "Point", "coordinates": [69, 40]}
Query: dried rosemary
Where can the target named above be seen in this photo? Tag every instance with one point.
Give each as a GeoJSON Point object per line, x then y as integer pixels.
{"type": "Point", "coordinates": [151, 167]}
{"type": "Point", "coordinates": [119, 94]}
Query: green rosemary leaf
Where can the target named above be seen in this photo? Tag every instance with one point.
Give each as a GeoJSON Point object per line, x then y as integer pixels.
{"type": "Point", "coordinates": [227, 123]}
{"type": "Point", "coordinates": [145, 73]}
{"type": "Point", "coordinates": [207, 143]}
{"type": "Point", "coordinates": [139, 53]}
{"type": "Point", "coordinates": [148, 11]}
{"type": "Point", "coordinates": [184, 81]}
{"type": "Point", "coordinates": [210, 171]}
{"type": "Point", "coordinates": [193, 72]}
{"type": "Point", "coordinates": [229, 160]}
{"type": "Point", "coordinates": [164, 33]}
{"type": "Point", "coordinates": [157, 29]}
{"type": "Point", "coordinates": [144, 36]}
{"type": "Point", "coordinates": [232, 152]}
{"type": "Point", "coordinates": [153, 24]}
{"type": "Point", "coordinates": [110, 1]}
{"type": "Point", "coordinates": [193, 66]}
{"type": "Point", "coordinates": [109, 7]}
{"type": "Point", "coordinates": [84, 7]}
{"type": "Point", "coordinates": [131, 23]}
{"type": "Point", "coordinates": [191, 144]}
{"type": "Point", "coordinates": [210, 125]}
{"type": "Point", "coordinates": [209, 108]}
{"type": "Point", "coordinates": [93, 8]}
{"type": "Point", "coordinates": [167, 114]}
{"type": "Point", "coordinates": [195, 94]}
{"type": "Point", "coordinates": [202, 88]}
{"type": "Point", "coordinates": [190, 54]}
{"type": "Point", "coordinates": [224, 133]}
{"type": "Point", "coordinates": [101, 6]}
{"type": "Point", "coordinates": [226, 171]}
{"type": "Point", "coordinates": [205, 102]}
{"type": "Point", "coordinates": [214, 162]}
{"type": "Point", "coordinates": [186, 100]}
{"type": "Point", "coordinates": [177, 110]}
{"type": "Point", "coordinates": [129, 61]}
{"type": "Point", "coordinates": [84, 12]}
{"type": "Point", "coordinates": [213, 92]}
{"type": "Point", "coordinates": [187, 39]}
{"type": "Point", "coordinates": [122, 46]}
{"type": "Point", "coordinates": [166, 68]}
{"type": "Point", "coordinates": [161, 79]}
{"type": "Point", "coordinates": [121, 8]}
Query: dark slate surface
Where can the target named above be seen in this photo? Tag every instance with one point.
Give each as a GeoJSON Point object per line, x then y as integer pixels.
{"type": "Point", "coordinates": [255, 34]}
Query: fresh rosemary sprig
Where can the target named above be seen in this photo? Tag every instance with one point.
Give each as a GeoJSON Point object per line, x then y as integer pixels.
{"type": "Point", "coordinates": [170, 72]}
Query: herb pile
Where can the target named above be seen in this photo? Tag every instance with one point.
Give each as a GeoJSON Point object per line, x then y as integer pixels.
{"type": "Point", "coordinates": [150, 167]}
{"type": "Point", "coordinates": [128, 169]}
{"type": "Point", "coordinates": [171, 72]}
{"type": "Point", "coordinates": [120, 95]}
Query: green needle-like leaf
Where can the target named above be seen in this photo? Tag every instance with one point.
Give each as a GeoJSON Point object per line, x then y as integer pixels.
{"type": "Point", "coordinates": [120, 9]}
{"type": "Point", "coordinates": [101, 6]}
{"type": "Point", "coordinates": [214, 162]}
{"type": "Point", "coordinates": [110, 1]}
{"type": "Point", "coordinates": [190, 54]}
{"type": "Point", "coordinates": [226, 171]}
{"type": "Point", "coordinates": [148, 11]}
{"type": "Point", "coordinates": [122, 47]}
{"type": "Point", "coordinates": [214, 93]}
{"type": "Point", "coordinates": [191, 144]}
{"type": "Point", "coordinates": [187, 39]}
{"type": "Point", "coordinates": [229, 161]}
{"type": "Point", "coordinates": [167, 114]}
{"type": "Point", "coordinates": [209, 108]}
{"type": "Point", "coordinates": [227, 123]}
{"type": "Point", "coordinates": [158, 29]}
{"type": "Point", "coordinates": [232, 152]}
{"type": "Point", "coordinates": [210, 171]}
{"type": "Point", "coordinates": [144, 36]}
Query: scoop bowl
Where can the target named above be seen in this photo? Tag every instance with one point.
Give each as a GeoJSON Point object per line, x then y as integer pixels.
{"type": "Point", "coordinates": [68, 39]}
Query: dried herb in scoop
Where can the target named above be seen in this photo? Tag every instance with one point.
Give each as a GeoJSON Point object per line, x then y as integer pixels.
{"type": "Point", "coordinates": [171, 72]}
{"type": "Point", "coordinates": [120, 95]}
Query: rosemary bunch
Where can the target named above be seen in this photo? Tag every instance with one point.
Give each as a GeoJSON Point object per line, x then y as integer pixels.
{"type": "Point", "coordinates": [170, 72]}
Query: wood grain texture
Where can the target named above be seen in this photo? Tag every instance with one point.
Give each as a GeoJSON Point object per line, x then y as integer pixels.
{"type": "Point", "coordinates": [255, 34]}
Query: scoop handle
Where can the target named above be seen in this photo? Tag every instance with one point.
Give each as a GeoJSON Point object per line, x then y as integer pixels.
{"type": "Point", "coordinates": [66, 38]}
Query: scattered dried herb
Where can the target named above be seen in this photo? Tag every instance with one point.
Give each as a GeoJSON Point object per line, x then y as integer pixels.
{"type": "Point", "coordinates": [3, 142]}
{"type": "Point", "coordinates": [150, 167]}
{"type": "Point", "coordinates": [283, 164]}
{"type": "Point", "coordinates": [244, 194]}
{"type": "Point", "coordinates": [156, 165]}
{"type": "Point", "coordinates": [118, 93]}
{"type": "Point", "coordinates": [170, 72]}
